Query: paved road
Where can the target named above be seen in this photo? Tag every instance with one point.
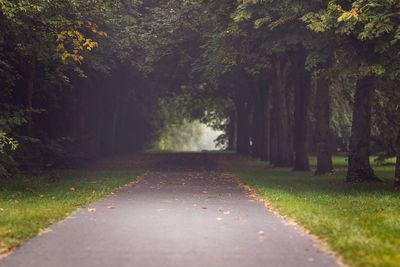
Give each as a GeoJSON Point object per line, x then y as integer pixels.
{"type": "Point", "coordinates": [185, 212]}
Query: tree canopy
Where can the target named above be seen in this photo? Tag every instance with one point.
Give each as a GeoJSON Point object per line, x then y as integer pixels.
{"type": "Point", "coordinates": [281, 79]}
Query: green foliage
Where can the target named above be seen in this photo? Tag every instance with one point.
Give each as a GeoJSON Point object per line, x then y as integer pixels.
{"type": "Point", "coordinates": [7, 141]}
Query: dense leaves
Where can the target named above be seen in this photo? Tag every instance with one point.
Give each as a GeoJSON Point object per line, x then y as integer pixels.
{"type": "Point", "coordinates": [81, 79]}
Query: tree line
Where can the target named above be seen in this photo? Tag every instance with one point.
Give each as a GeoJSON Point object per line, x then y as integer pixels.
{"type": "Point", "coordinates": [282, 78]}
{"type": "Point", "coordinates": [300, 76]}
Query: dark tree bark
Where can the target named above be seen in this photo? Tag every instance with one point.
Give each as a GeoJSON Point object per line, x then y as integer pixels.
{"type": "Point", "coordinates": [114, 120]}
{"type": "Point", "coordinates": [265, 153]}
{"type": "Point", "coordinates": [397, 170]}
{"type": "Point", "coordinates": [30, 70]}
{"type": "Point", "coordinates": [257, 121]}
{"type": "Point", "coordinates": [257, 131]}
{"type": "Point", "coordinates": [231, 131]}
{"type": "Point", "coordinates": [301, 79]}
{"type": "Point", "coordinates": [82, 125]}
{"type": "Point", "coordinates": [88, 120]}
{"type": "Point", "coordinates": [281, 141]}
{"type": "Point", "coordinates": [322, 116]}
{"type": "Point", "coordinates": [359, 169]}
{"type": "Point", "coordinates": [243, 126]}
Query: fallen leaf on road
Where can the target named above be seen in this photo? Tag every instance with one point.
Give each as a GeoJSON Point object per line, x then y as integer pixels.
{"type": "Point", "coordinates": [205, 192]}
{"type": "Point", "coordinates": [261, 235]}
{"type": "Point", "coordinates": [4, 252]}
{"type": "Point", "coordinates": [310, 259]}
{"type": "Point", "coordinates": [227, 212]}
{"type": "Point", "coordinates": [91, 209]}
{"type": "Point", "coordinates": [219, 219]}
{"type": "Point", "coordinates": [110, 207]}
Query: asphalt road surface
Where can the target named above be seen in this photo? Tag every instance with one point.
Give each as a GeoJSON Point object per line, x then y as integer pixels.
{"type": "Point", "coordinates": [185, 212]}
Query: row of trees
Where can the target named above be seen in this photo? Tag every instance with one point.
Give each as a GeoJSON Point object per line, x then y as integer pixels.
{"type": "Point", "coordinates": [282, 78]}
{"type": "Point", "coordinates": [312, 45]}
{"type": "Point", "coordinates": [296, 71]}
{"type": "Point", "coordinates": [74, 81]}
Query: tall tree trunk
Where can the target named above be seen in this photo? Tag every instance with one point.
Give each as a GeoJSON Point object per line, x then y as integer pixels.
{"type": "Point", "coordinates": [82, 125]}
{"type": "Point", "coordinates": [86, 121]}
{"type": "Point", "coordinates": [397, 170]}
{"type": "Point", "coordinates": [243, 127]}
{"type": "Point", "coordinates": [256, 129]}
{"type": "Point", "coordinates": [231, 131]}
{"type": "Point", "coordinates": [281, 141]}
{"type": "Point", "coordinates": [302, 92]}
{"type": "Point", "coordinates": [265, 154]}
{"type": "Point", "coordinates": [359, 169]}
{"type": "Point", "coordinates": [114, 120]}
{"type": "Point", "coordinates": [322, 116]}
{"type": "Point", "coordinates": [257, 122]}
{"type": "Point", "coordinates": [30, 70]}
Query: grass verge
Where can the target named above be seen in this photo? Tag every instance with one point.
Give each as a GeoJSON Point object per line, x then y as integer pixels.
{"type": "Point", "coordinates": [28, 205]}
{"type": "Point", "coordinates": [361, 222]}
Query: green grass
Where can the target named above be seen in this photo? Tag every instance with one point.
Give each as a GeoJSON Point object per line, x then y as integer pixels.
{"type": "Point", "coordinates": [361, 222]}
{"type": "Point", "coordinates": [29, 204]}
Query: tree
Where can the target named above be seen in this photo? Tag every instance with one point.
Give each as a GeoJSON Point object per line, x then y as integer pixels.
{"type": "Point", "coordinates": [323, 132]}
{"type": "Point", "coordinates": [397, 169]}
{"type": "Point", "coordinates": [368, 28]}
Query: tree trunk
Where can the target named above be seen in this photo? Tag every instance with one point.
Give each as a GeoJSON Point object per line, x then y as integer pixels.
{"type": "Point", "coordinates": [82, 125]}
{"type": "Point", "coordinates": [231, 131]}
{"type": "Point", "coordinates": [301, 78]}
{"type": "Point", "coordinates": [359, 169]}
{"type": "Point", "coordinates": [243, 131]}
{"type": "Point", "coordinates": [397, 170]}
{"type": "Point", "coordinates": [257, 122]}
{"type": "Point", "coordinates": [281, 141]}
{"type": "Point", "coordinates": [30, 70]}
{"type": "Point", "coordinates": [114, 120]}
{"type": "Point", "coordinates": [265, 154]}
{"type": "Point", "coordinates": [256, 137]}
{"type": "Point", "coordinates": [322, 116]}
